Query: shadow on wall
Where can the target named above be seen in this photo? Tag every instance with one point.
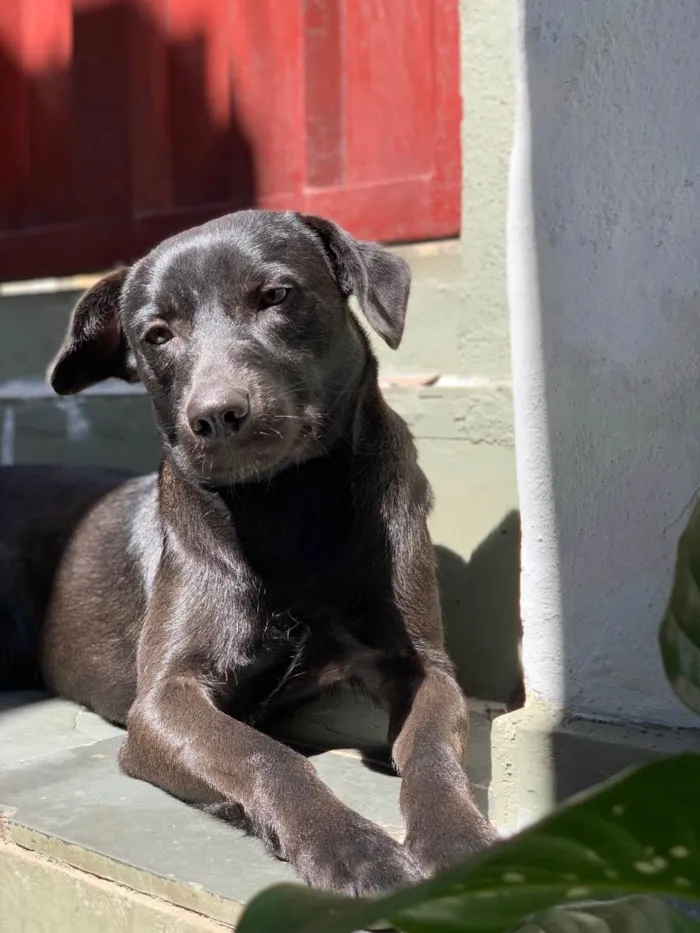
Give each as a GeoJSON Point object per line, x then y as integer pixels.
{"type": "Point", "coordinates": [606, 164]}
{"type": "Point", "coordinates": [481, 609]}
{"type": "Point", "coordinates": [118, 132]}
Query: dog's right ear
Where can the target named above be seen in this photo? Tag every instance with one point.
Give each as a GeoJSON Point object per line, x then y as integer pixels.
{"type": "Point", "coordinates": [379, 280]}
{"type": "Point", "coordinates": [94, 347]}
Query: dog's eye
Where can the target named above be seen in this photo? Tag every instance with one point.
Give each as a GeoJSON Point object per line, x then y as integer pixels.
{"type": "Point", "coordinates": [270, 297]}
{"type": "Point", "coordinates": [158, 335]}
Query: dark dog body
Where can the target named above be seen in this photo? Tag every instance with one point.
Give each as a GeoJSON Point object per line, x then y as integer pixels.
{"type": "Point", "coordinates": [282, 549]}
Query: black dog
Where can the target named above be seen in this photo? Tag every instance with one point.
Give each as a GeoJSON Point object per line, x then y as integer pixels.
{"type": "Point", "coordinates": [281, 549]}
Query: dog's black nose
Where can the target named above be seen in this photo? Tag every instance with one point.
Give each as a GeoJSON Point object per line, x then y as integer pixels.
{"type": "Point", "coordinates": [218, 419]}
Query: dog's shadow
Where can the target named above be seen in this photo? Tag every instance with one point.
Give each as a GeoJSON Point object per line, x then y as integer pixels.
{"type": "Point", "coordinates": [481, 613]}
{"type": "Point", "coordinates": [339, 721]}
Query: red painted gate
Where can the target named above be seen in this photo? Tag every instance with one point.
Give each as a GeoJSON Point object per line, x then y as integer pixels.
{"type": "Point", "coordinates": [122, 121]}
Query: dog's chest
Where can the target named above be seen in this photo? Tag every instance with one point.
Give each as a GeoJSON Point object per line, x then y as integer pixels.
{"type": "Point", "coordinates": [297, 661]}
{"type": "Point", "coordinates": [314, 589]}
{"type": "Point", "coordinates": [290, 532]}
{"type": "Point", "coordinates": [296, 641]}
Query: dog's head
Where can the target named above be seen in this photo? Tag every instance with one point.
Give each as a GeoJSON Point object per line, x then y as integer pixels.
{"type": "Point", "coordinates": [240, 331]}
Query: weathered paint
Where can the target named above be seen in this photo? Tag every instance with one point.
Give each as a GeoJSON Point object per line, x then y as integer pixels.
{"type": "Point", "coordinates": [333, 107]}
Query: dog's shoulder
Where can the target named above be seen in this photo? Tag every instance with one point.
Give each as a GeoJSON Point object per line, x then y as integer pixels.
{"type": "Point", "coordinates": [119, 531]}
{"type": "Point", "coordinates": [391, 466]}
{"type": "Point", "coordinates": [145, 539]}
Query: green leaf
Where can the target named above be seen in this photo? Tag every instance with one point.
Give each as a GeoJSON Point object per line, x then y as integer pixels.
{"type": "Point", "coordinates": [637, 834]}
{"type": "Point", "coordinates": [637, 914]}
{"type": "Point", "coordinates": [680, 629]}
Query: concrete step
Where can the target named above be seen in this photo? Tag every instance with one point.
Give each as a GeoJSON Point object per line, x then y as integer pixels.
{"type": "Point", "coordinates": [442, 335]}
{"type": "Point", "coordinates": [95, 426]}
{"type": "Point", "coordinates": [82, 846]}
{"type": "Point", "coordinates": [446, 331]}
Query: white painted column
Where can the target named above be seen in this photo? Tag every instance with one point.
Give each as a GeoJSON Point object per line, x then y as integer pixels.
{"type": "Point", "coordinates": [604, 292]}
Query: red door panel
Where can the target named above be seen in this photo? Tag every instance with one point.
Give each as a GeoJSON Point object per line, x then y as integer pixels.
{"type": "Point", "coordinates": [267, 68]}
{"type": "Point", "coordinates": [389, 95]}
{"type": "Point", "coordinates": [123, 121]}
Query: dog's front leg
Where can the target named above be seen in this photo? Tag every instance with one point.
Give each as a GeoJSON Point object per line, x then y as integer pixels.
{"type": "Point", "coordinates": [429, 727]}
{"type": "Point", "coordinates": [179, 740]}
{"type": "Point", "coordinates": [429, 720]}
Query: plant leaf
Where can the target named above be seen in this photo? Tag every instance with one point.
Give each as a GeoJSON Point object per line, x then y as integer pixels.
{"type": "Point", "coordinates": [637, 834]}
{"type": "Point", "coordinates": [637, 914]}
{"type": "Point", "coordinates": [680, 629]}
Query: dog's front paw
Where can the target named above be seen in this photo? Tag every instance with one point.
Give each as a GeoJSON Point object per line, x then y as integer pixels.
{"type": "Point", "coordinates": [439, 841]}
{"type": "Point", "coordinates": [358, 860]}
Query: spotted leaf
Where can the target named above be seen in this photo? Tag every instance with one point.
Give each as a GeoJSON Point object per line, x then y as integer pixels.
{"type": "Point", "coordinates": [638, 834]}
{"type": "Point", "coordinates": [680, 629]}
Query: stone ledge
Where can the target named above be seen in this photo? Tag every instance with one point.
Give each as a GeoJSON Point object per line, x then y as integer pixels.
{"type": "Point", "coordinates": [75, 831]}
{"type": "Point", "coordinates": [44, 893]}
{"type": "Point", "coordinates": [31, 415]}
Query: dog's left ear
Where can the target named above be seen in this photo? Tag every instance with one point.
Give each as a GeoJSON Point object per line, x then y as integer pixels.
{"type": "Point", "coordinates": [95, 347]}
{"type": "Point", "coordinates": [378, 279]}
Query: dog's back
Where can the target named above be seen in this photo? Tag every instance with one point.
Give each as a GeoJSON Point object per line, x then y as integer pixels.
{"type": "Point", "coordinates": [40, 509]}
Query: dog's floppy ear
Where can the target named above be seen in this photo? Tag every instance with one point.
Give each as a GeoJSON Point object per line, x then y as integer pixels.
{"type": "Point", "coordinates": [94, 347]}
{"type": "Point", "coordinates": [379, 280]}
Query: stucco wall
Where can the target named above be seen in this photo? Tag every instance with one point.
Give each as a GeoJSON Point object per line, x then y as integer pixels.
{"type": "Point", "coordinates": [604, 253]}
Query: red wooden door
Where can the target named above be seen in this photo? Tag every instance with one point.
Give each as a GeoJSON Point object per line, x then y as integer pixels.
{"type": "Point", "coordinates": [122, 121]}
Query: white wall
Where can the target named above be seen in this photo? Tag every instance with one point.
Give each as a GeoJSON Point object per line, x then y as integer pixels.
{"type": "Point", "coordinates": [604, 286]}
